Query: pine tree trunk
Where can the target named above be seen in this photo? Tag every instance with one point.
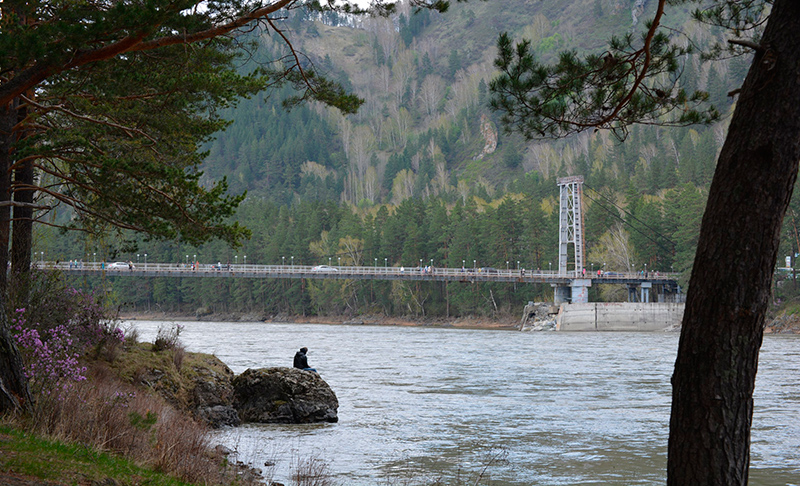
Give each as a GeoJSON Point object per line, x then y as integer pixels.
{"type": "Point", "coordinates": [14, 393]}
{"type": "Point", "coordinates": [729, 290]}
{"type": "Point", "coordinates": [22, 227]}
{"type": "Point", "coordinates": [8, 119]}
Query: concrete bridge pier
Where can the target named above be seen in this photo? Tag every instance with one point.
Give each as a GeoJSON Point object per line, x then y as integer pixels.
{"type": "Point", "coordinates": [561, 293]}
{"type": "Point", "coordinates": [575, 292]}
{"type": "Point", "coordinates": [644, 292]}
{"type": "Point", "coordinates": [669, 293]}
{"type": "Point", "coordinates": [580, 290]}
{"type": "Point", "coordinates": [639, 292]}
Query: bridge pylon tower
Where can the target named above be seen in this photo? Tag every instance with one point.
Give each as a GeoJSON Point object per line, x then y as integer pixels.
{"type": "Point", "coordinates": [570, 226]}
{"type": "Point", "coordinates": [570, 233]}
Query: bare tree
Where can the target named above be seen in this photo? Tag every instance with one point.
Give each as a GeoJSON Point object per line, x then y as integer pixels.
{"type": "Point", "coordinates": [402, 186]}
{"type": "Point", "coordinates": [430, 93]}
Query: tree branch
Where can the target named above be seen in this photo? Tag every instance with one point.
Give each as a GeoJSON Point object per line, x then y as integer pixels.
{"type": "Point", "coordinates": [41, 70]}
{"type": "Point", "coordinates": [642, 74]}
{"type": "Point", "coordinates": [746, 43]}
{"type": "Point", "coordinates": [61, 109]}
{"type": "Point", "coordinates": [294, 54]}
{"type": "Point", "coordinates": [17, 204]}
{"type": "Point", "coordinates": [214, 31]}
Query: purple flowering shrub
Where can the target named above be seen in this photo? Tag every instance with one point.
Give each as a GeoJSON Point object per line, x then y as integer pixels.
{"type": "Point", "coordinates": [57, 327]}
{"type": "Point", "coordinates": [51, 358]}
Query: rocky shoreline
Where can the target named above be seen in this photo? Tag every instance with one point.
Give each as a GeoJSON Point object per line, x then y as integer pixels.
{"type": "Point", "coordinates": [783, 324]}
{"type": "Point", "coordinates": [471, 322]}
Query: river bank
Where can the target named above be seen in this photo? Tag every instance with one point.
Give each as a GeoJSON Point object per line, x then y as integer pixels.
{"type": "Point", "coordinates": [780, 324]}
{"type": "Point", "coordinates": [470, 322]}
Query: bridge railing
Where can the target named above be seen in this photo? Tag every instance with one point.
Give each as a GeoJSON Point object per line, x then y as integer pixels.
{"type": "Point", "coordinates": [167, 269]}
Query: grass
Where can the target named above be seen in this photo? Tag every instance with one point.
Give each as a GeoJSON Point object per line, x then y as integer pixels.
{"type": "Point", "coordinates": [176, 369]}
{"type": "Point", "coordinates": [51, 460]}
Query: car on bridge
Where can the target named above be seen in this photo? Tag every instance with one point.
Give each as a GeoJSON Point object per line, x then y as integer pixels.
{"type": "Point", "coordinates": [119, 265]}
{"type": "Point", "coordinates": [324, 268]}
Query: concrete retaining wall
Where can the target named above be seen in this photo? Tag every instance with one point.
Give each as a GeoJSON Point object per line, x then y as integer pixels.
{"type": "Point", "coordinates": [619, 316]}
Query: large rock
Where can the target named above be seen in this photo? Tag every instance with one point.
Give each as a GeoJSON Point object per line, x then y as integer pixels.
{"type": "Point", "coordinates": [218, 416]}
{"type": "Point", "coordinates": [284, 396]}
{"type": "Point", "coordinates": [211, 393]}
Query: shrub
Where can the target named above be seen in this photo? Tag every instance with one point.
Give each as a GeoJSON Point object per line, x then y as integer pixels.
{"type": "Point", "coordinates": [178, 353]}
{"type": "Point", "coordinates": [50, 302]}
{"type": "Point", "coordinates": [55, 310]}
{"type": "Point", "coordinates": [50, 356]}
{"type": "Point", "coordinates": [167, 338]}
{"type": "Point", "coordinates": [312, 471]}
{"type": "Point", "coordinates": [56, 328]}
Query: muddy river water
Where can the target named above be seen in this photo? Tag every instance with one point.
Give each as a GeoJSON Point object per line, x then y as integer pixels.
{"type": "Point", "coordinates": [419, 404]}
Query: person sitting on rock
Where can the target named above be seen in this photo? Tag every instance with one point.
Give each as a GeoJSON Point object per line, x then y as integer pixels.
{"type": "Point", "coordinates": [301, 360]}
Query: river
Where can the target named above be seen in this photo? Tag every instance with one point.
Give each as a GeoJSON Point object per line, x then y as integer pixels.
{"type": "Point", "coordinates": [418, 404]}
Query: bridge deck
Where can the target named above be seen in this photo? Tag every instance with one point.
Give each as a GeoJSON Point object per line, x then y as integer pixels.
{"type": "Point", "coordinates": [359, 273]}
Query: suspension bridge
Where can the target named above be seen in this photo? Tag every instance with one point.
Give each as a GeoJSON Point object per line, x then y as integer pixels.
{"type": "Point", "coordinates": [570, 280]}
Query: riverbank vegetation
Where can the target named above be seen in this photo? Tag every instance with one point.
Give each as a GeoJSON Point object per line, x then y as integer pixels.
{"type": "Point", "coordinates": [32, 457]}
{"type": "Point", "coordinates": [81, 369]}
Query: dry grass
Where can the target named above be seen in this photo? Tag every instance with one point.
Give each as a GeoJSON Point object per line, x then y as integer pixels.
{"type": "Point", "coordinates": [178, 353]}
{"type": "Point", "coordinates": [110, 416]}
{"type": "Point", "coordinates": [312, 471]}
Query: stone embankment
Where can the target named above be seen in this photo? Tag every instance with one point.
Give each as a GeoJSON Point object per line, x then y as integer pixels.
{"type": "Point", "coordinates": [625, 316]}
{"type": "Point", "coordinates": [606, 316]}
{"type": "Point", "coordinates": [539, 316]}
{"type": "Point", "coordinates": [620, 316]}
{"type": "Point", "coordinates": [783, 323]}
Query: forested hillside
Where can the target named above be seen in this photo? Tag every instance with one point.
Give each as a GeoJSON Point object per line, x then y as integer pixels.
{"type": "Point", "coordinates": [425, 128]}
{"type": "Point", "coordinates": [424, 171]}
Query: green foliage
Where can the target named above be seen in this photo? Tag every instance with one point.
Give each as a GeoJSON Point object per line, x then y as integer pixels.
{"type": "Point", "coordinates": [316, 87]}
{"type": "Point", "coordinates": [122, 106]}
{"type": "Point", "coordinates": [144, 423]}
{"type": "Point", "coordinates": [118, 143]}
{"type": "Point", "coordinates": [613, 90]}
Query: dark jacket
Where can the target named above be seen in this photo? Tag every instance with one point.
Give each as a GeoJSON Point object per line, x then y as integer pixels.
{"type": "Point", "coordinates": [300, 360]}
